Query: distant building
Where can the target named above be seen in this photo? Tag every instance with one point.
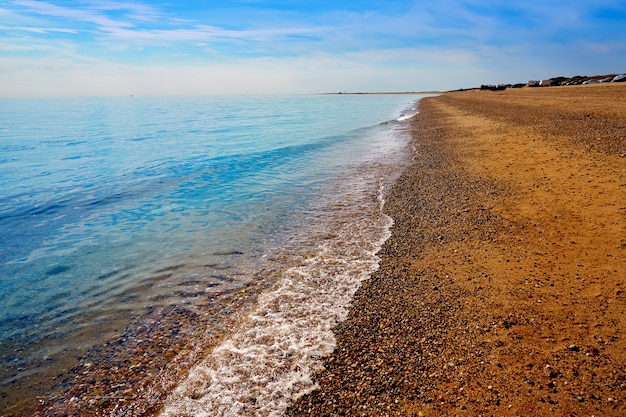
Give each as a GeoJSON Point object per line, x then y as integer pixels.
{"type": "Point", "coordinates": [532, 83]}
{"type": "Point", "coordinates": [493, 87]}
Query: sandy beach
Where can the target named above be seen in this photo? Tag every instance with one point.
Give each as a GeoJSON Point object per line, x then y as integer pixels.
{"type": "Point", "coordinates": [502, 289]}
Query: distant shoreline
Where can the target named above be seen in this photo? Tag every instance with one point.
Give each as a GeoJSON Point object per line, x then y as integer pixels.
{"type": "Point", "coordinates": [379, 93]}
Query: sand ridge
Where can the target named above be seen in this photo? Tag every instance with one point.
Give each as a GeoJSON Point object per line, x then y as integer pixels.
{"type": "Point", "coordinates": [501, 291]}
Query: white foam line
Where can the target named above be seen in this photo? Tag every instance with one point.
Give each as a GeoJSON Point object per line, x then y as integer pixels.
{"type": "Point", "coordinates": [267, 363]}
{"type": "Point", "coordinates": [406, 117]}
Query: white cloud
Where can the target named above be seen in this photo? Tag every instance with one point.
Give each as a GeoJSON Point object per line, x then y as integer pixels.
{"type": "Point", "coordinates": [125, 27]}
{"type": "Point", "coordinates": [70, 14]}
{"type": "Point", "coordinates": [88, 50]}
{"type": "Point", "coordinates": [41, 30]}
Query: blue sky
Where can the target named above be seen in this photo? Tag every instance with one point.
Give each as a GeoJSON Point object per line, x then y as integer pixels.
{"type": "Point", "coordinates": [189, 47]}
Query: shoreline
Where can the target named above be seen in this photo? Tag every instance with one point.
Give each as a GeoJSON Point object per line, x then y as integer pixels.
{"type": "Point", "coordinates": [501, 290]}
{"type": "Point", "coordinates": [133, 372]}
{"type": "Point", "coordinates": [461, 293]}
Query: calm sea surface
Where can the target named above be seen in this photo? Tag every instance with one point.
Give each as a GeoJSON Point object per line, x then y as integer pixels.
{"type": "Point", "coordinates": [99, 196]}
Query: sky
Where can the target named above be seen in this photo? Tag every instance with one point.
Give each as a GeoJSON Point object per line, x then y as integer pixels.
{"type": "Point", "coordinates": [63, 48]}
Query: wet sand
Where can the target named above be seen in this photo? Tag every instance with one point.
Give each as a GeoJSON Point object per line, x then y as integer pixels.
{"type": "Point", "coordinates": [502, 289]}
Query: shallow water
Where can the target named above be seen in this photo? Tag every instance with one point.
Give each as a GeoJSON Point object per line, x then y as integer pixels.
{"type": "Point", "coordinates": [111, 208]}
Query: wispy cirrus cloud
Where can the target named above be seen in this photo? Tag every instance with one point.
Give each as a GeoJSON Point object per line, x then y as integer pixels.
{"type": "Point", "coordinates": [139, 22]}
{"type": "Point", "coordinates": [455, 42]}
{"type": "Point", "coordinates": [40, 30]}
{"type": "Point", "coordinates": [76, 15]}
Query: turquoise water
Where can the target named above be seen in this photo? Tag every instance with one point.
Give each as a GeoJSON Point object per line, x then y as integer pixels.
{"type": "Point", "coordinates": [99, 196]}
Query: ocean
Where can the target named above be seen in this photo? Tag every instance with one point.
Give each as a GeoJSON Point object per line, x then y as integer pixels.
{"type": "Point", "coordinates": [245, 223]}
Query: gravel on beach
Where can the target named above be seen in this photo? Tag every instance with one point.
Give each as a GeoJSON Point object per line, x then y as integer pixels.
{"type": "Point", "coordinates": [501, 290]}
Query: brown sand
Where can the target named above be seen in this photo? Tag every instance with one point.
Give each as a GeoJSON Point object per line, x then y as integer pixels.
{"type": "Point", "coordinates": [502, 289]}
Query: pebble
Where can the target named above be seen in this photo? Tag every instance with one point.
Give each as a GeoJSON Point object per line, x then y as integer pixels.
{"type": "Point", "coordinates": [400, 302]}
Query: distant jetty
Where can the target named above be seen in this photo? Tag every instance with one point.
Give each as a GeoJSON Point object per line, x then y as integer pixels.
{"type": "Point", "coordinates": [379, 92]}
